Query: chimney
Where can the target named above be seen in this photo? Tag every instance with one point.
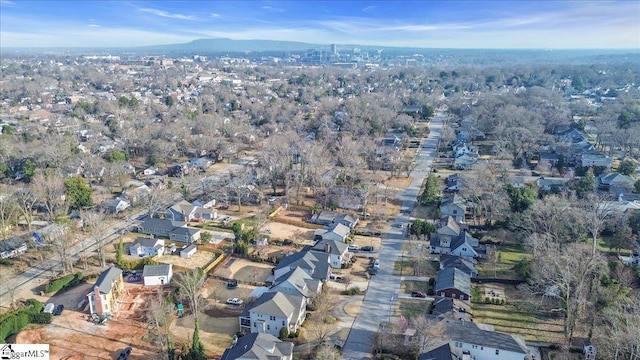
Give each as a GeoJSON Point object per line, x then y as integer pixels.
{"type": "Point", "coordinates": [98, 301]}
{"type": "Point", "coordinates": [327, 248]}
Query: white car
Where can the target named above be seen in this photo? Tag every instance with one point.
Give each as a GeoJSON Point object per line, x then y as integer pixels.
{"type": "Point", "coordinates": [49, 308]}
{"type": "Point", "coordinates": [272, 199]}
{"type": "Point", "coordinates": [354, 247]}
{"type": "Point", "coordinates": [234, 301]}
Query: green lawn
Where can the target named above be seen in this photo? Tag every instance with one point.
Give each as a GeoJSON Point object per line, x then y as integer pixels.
{"type": "Point", "coordinates": [507, 318]}
{"type": "Point", "coordinates": [510, 254]}
{"type": "Point", "coordinates": [411, 308]}
{"type": "Point", "coordinates": [407, 286]}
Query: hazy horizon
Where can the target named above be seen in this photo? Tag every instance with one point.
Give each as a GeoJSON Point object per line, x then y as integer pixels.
{"type": "Point", "coordinates": [526, 25]}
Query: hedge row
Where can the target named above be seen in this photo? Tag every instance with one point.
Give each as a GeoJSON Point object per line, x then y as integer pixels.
{"type": "Point", "coordinates": [13, 322]}
{"type": "Point", "coordinates": [67, 281]}
{"type": "Point", "coordinates": [137, 264]}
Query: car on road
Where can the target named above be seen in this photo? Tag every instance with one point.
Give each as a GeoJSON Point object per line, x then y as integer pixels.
{"type": "Point", "coordinates": [418, 294]}
{"type": "Point", "coordinates": [354, 247]}
{"type": "Point", "coordinates": [124, 354]}
{"type": "Point", "coordinates": [272, 199]}
{"type": "Point", "coordinates": [367, 248]}
{"type": "Point", "coordinates": [49, 308]}
{"type": "Point", "coordinates": [58, 310]}
{"type": "Point", "coordinates": [373, 271]}
{"type": "Point", "coordinates": [376, 264]}
{"type": "Point", "coordinates": [234, 301]}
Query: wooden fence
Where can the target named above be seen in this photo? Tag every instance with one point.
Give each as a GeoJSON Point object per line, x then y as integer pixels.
{"type": "Point", "coordinates": [213, 263]}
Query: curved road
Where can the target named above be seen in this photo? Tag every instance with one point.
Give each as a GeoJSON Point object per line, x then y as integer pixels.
{"type": "Point", "coordinates": [382, 294]}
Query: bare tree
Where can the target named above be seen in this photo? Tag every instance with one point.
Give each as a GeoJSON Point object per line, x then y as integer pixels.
{"type": "Point", "coordinates": [327, 352]}
{"type": "Point", "coordinates": [428, 332]}
{"type": "Point", "coordinates": [94, 223]}
{"type": "Point", "coordinates": [8, 213]}
{"type": "Point", "coordinates": [26, 199]}
{"type": "Point", "coordinates": [190, 284]}
{"type": "Point", "coordinates": [49, 188]}
{"type": "Point", "coordinates": [596, 210]}
{"type": "Point", "coordinates": [61, 244]}
{"type": "Point", "coordinates": [159, 315]}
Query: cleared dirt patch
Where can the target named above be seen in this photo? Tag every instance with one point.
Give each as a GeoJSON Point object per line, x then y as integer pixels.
{"type": "Point", "coordinates": [199, 259]}
{"type": "Point", "coordinates": [215, 333]}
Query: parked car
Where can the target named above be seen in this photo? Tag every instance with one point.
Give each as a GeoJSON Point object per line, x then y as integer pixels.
{"type": "Point", "coordinates": [124, 354]}
{"type": "Point", "coordinates": [58, 310]}
{"type": "Point", "coordinates": [373, 271]}
{"type": "Point", "coordinates": [272, 199]}
{"type": "Point", "coordinates": [354, 247]}
{"type": "Point", "coordinates": [49, 308]}
{"type": "Point", "coordinates": [418, 294]}
{"type": "Point", "coordinates": [232, 284]}
{"type": "Point", "coordinates": [376, 264]}
{"type": "Point", "coordinates": [367, 248]}
{"type": "Point", "coordinates": [234, 301]}
{"type": "Point", "coordinates": [336, 278]}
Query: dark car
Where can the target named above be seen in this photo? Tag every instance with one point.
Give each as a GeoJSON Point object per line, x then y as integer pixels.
{"type": "Point", "coordinates": [58, 310]}
{"type": "Point", "coordinates": [373, 271]}
{"type": "Point", "coordinates": [125, 353]}
{"type": "Point", "coordinates": [367, 248]}
{"type": "Point", "coordinates": [418, 294]}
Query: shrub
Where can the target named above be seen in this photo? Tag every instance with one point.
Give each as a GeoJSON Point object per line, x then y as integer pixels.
{"type": "Point", "coordinates": [65, 282]}
{"type": "Point", "coordinates": [487, 300]}
{"type": "Point", "coordinates": [13, 322]}
{"type": "Point", "coordinates": [40, 318]}
{"type": "Point", "coordinates": [430, 292]}
{"type": "Point", "coordinates": [353, 291]}
{"type": "Point", "coordinates": [432, 281]}
{"type": "Point", "coordinates": [284, 333]}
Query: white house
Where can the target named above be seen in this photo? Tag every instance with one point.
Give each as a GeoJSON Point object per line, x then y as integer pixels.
{"type": "Point", "coordinates": [157, 274]}
{"type": "Point", "coordinates": [337, 232]}
{"type": "Point", "coordinates": [297, 282]}
{"type": "Point", "coordinates": [338, 252]}
{"type": "Point", "coordinates": [272, 312]}
{"type": "Point", "coordinates": [463, 245]}
{"type": "Point", "coordinates": [482, 343]}
{"type": "Point", "coordinates": [188, 251]}
{"type": "Point", "coordinates": [143, 247]}
{"type": "Point", "coordinates": [106, 292]}
{"type": "Point", "coordinates": [12, 247]}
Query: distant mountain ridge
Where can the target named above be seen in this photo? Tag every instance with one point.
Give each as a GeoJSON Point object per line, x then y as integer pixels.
{"type": "Point", "coordinates": [225, 44]}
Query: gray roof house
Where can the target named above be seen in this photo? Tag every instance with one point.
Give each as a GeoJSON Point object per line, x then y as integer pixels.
{"type": "Point", "coordinates": [337, 232]}
{"type": "Point", "coordinates": [551, 184]}
{"type": "Point", "coordinates": [337, 250]}
{"type": "Point", "coordinates": [115, 206]}
{"type": "Point", "coordinates": [463, 245]}
{"type": "Point", "coordinates": [146, 247]}
{"type": "Point", "coordinates": [314, 263]}
{"type": "Point", "coordinates": [174, 230]}
{"type": "Point", "coordinates": [443, 352]}
{"type": "Point", "coordinates": [595, 159]}
{"type": "Point", "coordinates": [329, 218]}
{"type": "Point", "coordinates": [259, 346]}
{"type": "Point", "coordinates": [482, 343]}
{"type": "Point", "coordinates": [453, 283]}
{"type": "Point", "coordinates": [616, 183]}
{"type": "Point", "coordinates": [455, 206]}
{"type": "Point", "coordinates": [465, 264]}
{"type": "Point", "coordinates": [12, 247]}
{"type": "Point", "coordinates": [297, 282]}
{"type": "Point", "coordinates": [447, 308]}
{"type": "Point", "coordinates": [272, 312]}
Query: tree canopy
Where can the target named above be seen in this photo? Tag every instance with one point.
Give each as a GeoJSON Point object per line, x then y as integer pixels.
{"type": "Point", "coordinates": [78, 193]}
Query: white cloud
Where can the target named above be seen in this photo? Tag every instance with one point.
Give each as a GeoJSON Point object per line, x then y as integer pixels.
{"type": "Point", "coordinates": [214, 15]}
{"type": "Point", "coordinates": [165, 14]}
{"type": "Point", "coordinates": [271, 9]}
{"type": "Point", "coordinates": [94, 25]}
{"type": "Point", "coordinates": [7, 3]}
{"type": "Point", "coordinates": [369, 9]}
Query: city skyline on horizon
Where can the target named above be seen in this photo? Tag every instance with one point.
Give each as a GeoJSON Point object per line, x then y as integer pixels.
{"type": "Point", "coordinates": [420, 24]}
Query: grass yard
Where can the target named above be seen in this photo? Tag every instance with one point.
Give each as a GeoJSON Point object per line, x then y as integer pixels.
{"type": "Point", "coordinates": [540, 326]}
{"type": "Point", "coordinates": [411, 308]}
{"type": "Point", "coordinates": [407, 286]}
{"type": "Point", "coordinates": [510, 254]}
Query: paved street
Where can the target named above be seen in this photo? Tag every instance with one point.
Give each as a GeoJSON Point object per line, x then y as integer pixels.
{"type": "Point", "coordinates": [382, 295]}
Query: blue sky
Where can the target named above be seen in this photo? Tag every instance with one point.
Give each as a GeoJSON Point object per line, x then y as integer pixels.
{"type": "Point", "coordinates": [432, 24]}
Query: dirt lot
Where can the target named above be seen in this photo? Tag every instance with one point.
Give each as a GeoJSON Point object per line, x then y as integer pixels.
{"type": "Point", "coordinates": [243, 269]}
{"type": "Point", "coordinates": [285, 231]}
{"type": "Point", "coordinates": [199, 259]}
{"type": "Point", "coordinates": [71, 336]}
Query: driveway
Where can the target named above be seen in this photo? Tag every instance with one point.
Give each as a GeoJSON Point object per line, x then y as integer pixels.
{"type": "Point", "coordinates": [384, 288]}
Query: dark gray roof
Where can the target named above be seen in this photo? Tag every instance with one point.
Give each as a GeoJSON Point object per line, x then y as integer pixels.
{"type": "Point", "coordinates": [147, 242]}
{"type": "Point", "coordinates": [11, 244]}
{"type": "Point", "coordinates": [276, 304]}
{"type": "Point", "coordinates": [300, 280]}
{"type": "Point", "coordinates": [162, 224]}
{"type": "Point", "coordinates": [467, 265]}
{"type": "Point", "coordinates": [463, 238]}
{"type": "Point", "coordinates": [106, 278]}
{"type": "Point", "coordinates": [316, 263]}
{"type": "Point", "coordinates": [444, 352]}
{"type": "Point", "coordinates": [470, 333]}
{"type": "Point", "coordinates": [188, 248]}
{"type": "Point", "coordinates": [185, 231]}
{"type": "Point", "coordinates": [453, 278]}
{"type": "Point", "coordinates": [259, 346]}
{"type": "Point", "coordinates": [156, 270]}
{"type": "Point", "coordinates": [452, 308]}
{"type": "Point", "coordinates": [334, 247]}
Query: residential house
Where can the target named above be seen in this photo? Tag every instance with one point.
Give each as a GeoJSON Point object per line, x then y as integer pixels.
{"type": "Point", "coordinates": [444, 352]}
{"type": "Point", "coordinates": [202, 213]}
{"type": "Point", "coordinates": [549, 159]}
{"type": "Point", "coordinates": [106, 292]}
{"type": "Point", "coordinates": [447, 231]}
{"type": "Point", "coordinates": [572, 136]}
{"type": "Point", "coordinates": [157, 274]}
{"type": "Point", "coordinates": [464, 162]}
{"type": "Point", "coordinates": [12, 247]}
{"type": "Point", "coordinates": [465, 264]}
{"type": "Point", "coordinates": [448, 308]}
{"type": "Point", "coordinates": [454, 183]}
{"type": "Point", "coordinates": [337, 250]}
{"type": "Point", "coordinates": [181, 211]}
{"type": "Point", "coordinates": [551, 184]}
{"type": "Point", "coordinates": [314, 263]}
{"type": "Point", "coordinates": [206, 201]}
{"type": "Point", "coordinates": [188, 251]}
{"type": "Point", "coordinates": [272, 312]}
{"type": "Point", "coordinates": [202, 163]}
{"type": "Point", "coordinates": [455, 206]}
{"type": "Point", "coordinates": [297, 282]}
{"type": "Point", "coordinates": [463, 245]}
{"type": "Point", "coordinates": [453, 283]}
{"type": "Point", "coordinates": [330, 218]}
{"type": "Point", "coordinates": [616, 183]}
{"type": "Point", "coordinates": [143, 247]}
{"type": "Point", "coordinates": [595, 159]}
{"type": "Point", "coordinates": [337, 232]}
{"type": "Point", "coordinates": [259, 346]}
{"type": "Point", "coordinates": [482, 343]}
{"type": "Point", "coordinates": [174, 230]}
{"type": "Point", "coordinates": [464, 149]}
{"type": "Point", "coordinates": [137, 195]}
{"type": "Point", "coordinates": [114, 206]}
